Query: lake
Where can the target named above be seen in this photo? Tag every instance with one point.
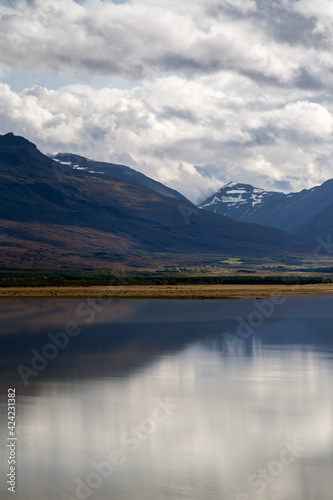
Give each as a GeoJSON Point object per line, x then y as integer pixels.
{"type": "Point", "coordinates": [162, 400]}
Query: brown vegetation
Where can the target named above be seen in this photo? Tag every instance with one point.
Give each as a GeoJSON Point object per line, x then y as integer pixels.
{"type": "Point", "coordinates": [216, 292]}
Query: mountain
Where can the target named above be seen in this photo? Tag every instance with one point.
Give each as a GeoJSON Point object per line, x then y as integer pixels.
{"type": "Point", "coordinates": [242, 202]}
{"type": "Point", "coordinates": [318, 229]}
{"type": "Point", "coordinates": [69, 161]}
{"type": "Point", "coordinates": [82, 219]}
{"type": "Point", "coordinates": [306, 214]}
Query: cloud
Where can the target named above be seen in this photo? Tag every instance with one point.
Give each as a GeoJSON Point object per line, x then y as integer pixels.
{"type": "Point", "coordinates": [277, 42]}
{"type": "Point", "coordinates": [188, 134]}
{"type": "Point", "coordinates": [310, 121]}
{"type": "Point", "coordinates": [201, 92]}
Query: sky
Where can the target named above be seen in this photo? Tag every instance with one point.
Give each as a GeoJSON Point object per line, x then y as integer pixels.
{"type": "Point", "coordinates": [194, 93]}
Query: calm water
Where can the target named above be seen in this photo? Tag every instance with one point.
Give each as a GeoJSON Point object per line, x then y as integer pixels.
{"type": "Point", "coordinates": [169, 399]}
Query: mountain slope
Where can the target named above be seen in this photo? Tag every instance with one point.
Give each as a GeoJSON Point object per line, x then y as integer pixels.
{"type": "Point", "coordinates": [242, 202]}
{"type": "Point", "coordinates": [319, 226]}
{"type": "Point", "coordinates": [121, 172]}
{"type": "Point", "coordinates": [90, 219]}
{"type": "Point", "coordinates": [305, 214]}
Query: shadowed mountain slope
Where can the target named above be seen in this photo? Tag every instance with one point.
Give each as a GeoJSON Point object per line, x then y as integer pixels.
{"type": "Point", "coordinates": [49, 217]}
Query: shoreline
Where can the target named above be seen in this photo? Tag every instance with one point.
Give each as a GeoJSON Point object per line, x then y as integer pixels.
{"type": "Point", "coordinates": [175, 292]}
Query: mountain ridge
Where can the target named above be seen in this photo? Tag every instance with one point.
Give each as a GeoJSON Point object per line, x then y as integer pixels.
{"type": "Point", "coordinates": [299, 213]}
{"type": "Point", "coordinates": [121, 172]}
{"type": "Point", "coordinates": [97, 220]}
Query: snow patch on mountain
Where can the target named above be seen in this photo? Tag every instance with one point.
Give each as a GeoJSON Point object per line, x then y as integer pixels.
{"type": "Point", "coordinates": [245, 195]}
{"type": "Point", "coordinates": [232, 200]}
{"type": "Point", "coordinates": [63, 162]}
{"type": "Point", "coordinates": [213, 202]}
{"type": "Point", "coordinates": [236, 191]}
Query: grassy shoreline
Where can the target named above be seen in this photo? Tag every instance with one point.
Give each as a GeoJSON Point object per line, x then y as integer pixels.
{"type": "Point", "coordinates": [215, 292]}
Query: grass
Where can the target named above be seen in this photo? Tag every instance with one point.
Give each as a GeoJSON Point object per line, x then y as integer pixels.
{"type": "Point", "coordinates": [232, 261]}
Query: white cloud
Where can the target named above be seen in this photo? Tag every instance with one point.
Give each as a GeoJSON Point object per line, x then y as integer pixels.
{"type": "Point", "coordinates": [188, 134]}
{"type": "Point", "coordinates": [144, 37]}
{"type": "Point", "coordinates": [307, 119]}
{"type": "Point", "coordinates": [211, 91]}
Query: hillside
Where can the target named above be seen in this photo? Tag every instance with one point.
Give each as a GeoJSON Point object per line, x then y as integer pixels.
{"type": "Point", "coordinates": [306, 214]}
{"type": "Point", "coordinates": [84, 219]}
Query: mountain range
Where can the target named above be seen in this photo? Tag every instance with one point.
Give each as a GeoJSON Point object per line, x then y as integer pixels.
{"type": "Point", "coordinates": [69, 210]}
{"type": "Point", "coordinates": [307, 214]}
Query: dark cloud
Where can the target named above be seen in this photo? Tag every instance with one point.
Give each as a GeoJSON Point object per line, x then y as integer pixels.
{"type": "Point", "coordinates": [304, 80]}
{"type": "Point", "coordinates": [222, 172]}
{"type": "Point", "coordinates": [284, 186]}
{"type": "Point", "coordinates": [169, 113]}
{"type": "Point", "coordinates": [277, 19]}
{"type": "Point", "coordinates": [172, 62]}
{"type": "Point", "coordinates": [285, 25]}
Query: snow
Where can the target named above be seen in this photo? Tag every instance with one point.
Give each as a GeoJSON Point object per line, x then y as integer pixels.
{"type": "Point", "coordinates": [231, 184]}
{"type": "Point", "coordinates": [213, 202]}
{"type": "Point", "coordinates": [63, 162]}
{"type": "Point", "coordinates": [232, 200]}
{"type": "Point", "coordinates": [251, 198]}
{"type": "Point", "coordinates": [236, 191]}
{"type": "Point", "coordinates": [256, 199]}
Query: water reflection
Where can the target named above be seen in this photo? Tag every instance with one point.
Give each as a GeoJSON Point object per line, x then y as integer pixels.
{"type": "Point", "coordinates": [252, 424]}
